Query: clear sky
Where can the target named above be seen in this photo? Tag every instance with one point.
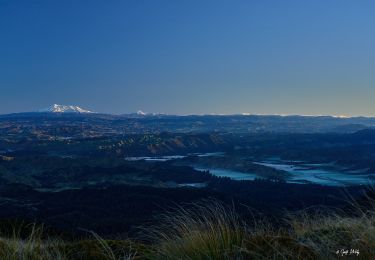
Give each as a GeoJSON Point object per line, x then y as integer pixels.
{"type": "Point", "coordinates": [189, 56]}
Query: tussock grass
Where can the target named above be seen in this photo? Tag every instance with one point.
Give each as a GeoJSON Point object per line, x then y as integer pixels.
{"type": "Point", "coordinates": [200, 232]}
{"type": "Point", "coordinates": [37, 246]}
{"type": "Point", "coordinates": [32, 247]}
{"type": "Point", "coordinates": [212, 230]}
{"type": "Point", "coordinates": [326, 234]}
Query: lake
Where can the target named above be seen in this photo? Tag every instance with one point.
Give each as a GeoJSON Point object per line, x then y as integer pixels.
{"type": "Point", "coordinates": [301, 172]}
{"type": "Point", "coordinates": [319, 174]}
{"type": "Point", "coordinates": [171, 157]}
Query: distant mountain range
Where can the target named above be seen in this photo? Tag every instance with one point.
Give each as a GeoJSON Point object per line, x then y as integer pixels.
{"type": "Point", "coordinates": [55, 108]}
{"type": "Point", "coordinates": [70, 109]}
{"type": "Point", "coordinates": [75, 118]}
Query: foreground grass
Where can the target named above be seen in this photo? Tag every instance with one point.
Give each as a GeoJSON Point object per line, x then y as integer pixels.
{"type": "Point", "coordinates": [216, 232]}
{"type": "Point", "coordinates": [211, 230]}
{"type": "Point", "coordinates": [39, 247]}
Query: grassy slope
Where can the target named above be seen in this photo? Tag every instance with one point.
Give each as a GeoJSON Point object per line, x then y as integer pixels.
{"type": "Point", "coordinates": [210, 230]}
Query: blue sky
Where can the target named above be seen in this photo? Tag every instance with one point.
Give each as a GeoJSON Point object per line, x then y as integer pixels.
{"type": "Point", "coordinates": [189, 57]}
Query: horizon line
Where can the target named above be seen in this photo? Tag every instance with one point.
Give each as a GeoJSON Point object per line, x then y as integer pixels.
{"type": "Point", "coordinates": [141, 113]}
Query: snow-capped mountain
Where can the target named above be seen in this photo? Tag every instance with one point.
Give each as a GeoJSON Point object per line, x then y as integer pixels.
{"type": "Point", "coordinates": [141, 113]}
{"type": "Point", "coordinates": [64, 109]}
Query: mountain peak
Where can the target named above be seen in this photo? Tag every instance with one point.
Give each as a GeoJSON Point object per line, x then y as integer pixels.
{"type": "Point", "coordinates": [55, 108]}
{"type": "Point", "coordinates": [141, 113]}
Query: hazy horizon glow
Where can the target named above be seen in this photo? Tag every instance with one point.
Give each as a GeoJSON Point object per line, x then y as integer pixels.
{"type": "Point", "coordinates": [189, 57]}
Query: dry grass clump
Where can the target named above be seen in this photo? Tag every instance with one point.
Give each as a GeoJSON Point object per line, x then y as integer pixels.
{"type": "Point", "coordinates": [37, 246]}
{"type": "Point", "coordinates": [200, 232]}
{"type": "Point", "coordinates": [32, 247]}
{"type": "Point", "coordinates": [326, 235]}
{"type": "Point", "coordinates": [213, 231]}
